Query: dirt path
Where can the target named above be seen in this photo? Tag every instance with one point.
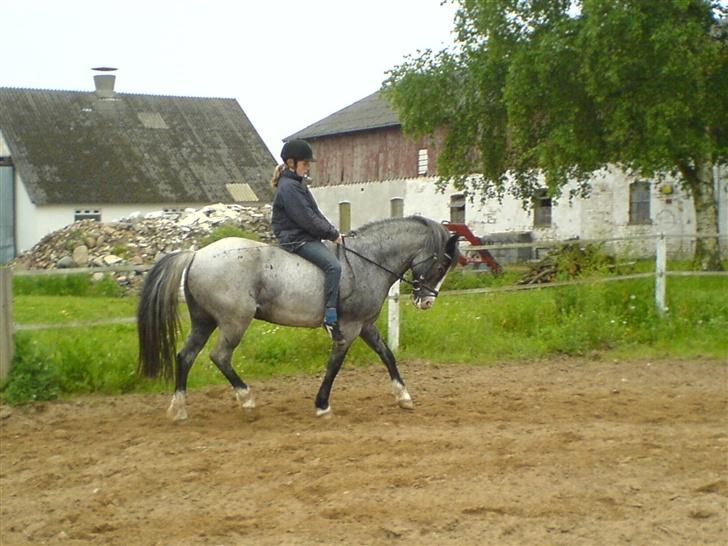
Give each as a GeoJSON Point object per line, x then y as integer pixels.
{"type": "Point", "coordinates": [559, 452]}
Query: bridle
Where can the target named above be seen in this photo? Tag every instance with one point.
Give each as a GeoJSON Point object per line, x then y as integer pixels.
{"type": "Point", "coordinates": [417, 284]}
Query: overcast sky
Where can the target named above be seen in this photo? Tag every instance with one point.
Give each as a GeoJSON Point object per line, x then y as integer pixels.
{"type": "Point", "coordinates": [289, 63]}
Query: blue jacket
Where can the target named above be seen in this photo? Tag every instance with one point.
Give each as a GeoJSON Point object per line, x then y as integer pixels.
{"type": "Point", "coordinates": [296, 218]}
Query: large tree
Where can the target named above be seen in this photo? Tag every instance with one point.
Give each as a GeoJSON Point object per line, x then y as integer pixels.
{"type": "Point", "coordinates": [549, 91]}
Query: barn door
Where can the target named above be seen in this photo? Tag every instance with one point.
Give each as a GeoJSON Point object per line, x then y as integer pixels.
{"type": "Point", "coordinates": [7, 214]}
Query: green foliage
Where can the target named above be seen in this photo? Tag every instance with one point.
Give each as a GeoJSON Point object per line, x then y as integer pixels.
{"type": "Point", "coordinates": [64, 285]}
{"type": "Point", "coordinates": [32, 377]}
{"type": "Point", "coordinates": [121, 250]}
{"type": "Point", "coordinates": [228, 230]}
{"type": "Point", "coordinates": [549, 91]}
{"type": "Point", "coordinates": [611, 318]}
{"type": "Point", "coordinates": [60, 309]}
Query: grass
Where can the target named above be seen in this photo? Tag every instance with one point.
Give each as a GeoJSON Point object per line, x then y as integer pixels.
{"type": "Point", "coordinates": [611, 319]}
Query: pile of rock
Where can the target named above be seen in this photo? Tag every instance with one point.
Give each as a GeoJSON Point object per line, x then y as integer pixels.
{"type": "Point", "coordinates": [138, 241]}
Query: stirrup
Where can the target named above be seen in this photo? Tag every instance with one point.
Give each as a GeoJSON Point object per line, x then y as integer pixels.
{"type": "Point", "coordinates": [334, 331]}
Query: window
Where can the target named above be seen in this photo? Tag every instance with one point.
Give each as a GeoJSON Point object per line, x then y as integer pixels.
{"type": "Point", "coordinates": [541, 209]}
{"type": "Point", "coordinates": [7, 210]}
{"type": "Point", "coordinates": [87, 214]}
{"type": "Point", "coordinates": [639, 203]}
{"type": "Point", "coordinates": [457, 208]}
{"type": "Point", "coordinates": [152, 120]}
{"type": "Point", "coordinates": [241, 192]}
{"type": "Point", "coordinates": [422, 162]}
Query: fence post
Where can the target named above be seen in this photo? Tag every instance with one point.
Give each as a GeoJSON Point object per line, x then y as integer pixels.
{"type": "Point", "coordinates": [660, 277]}
{"type": "Point", "coordinates": [345, 216]}
{"type": "Point", "coordinates": [396, 211]}
{"type": "Point", "coordinates": [6, 322]}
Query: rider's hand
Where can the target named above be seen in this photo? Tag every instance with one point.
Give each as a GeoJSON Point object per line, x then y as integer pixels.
{"type": "Point", "coordinates": [339, 240]}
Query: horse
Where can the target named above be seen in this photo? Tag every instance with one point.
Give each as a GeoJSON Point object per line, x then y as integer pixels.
{"type": "Point", "coordinates": [232, 281]}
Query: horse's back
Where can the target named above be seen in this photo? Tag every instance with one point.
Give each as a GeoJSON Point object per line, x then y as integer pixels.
{"type": "Point", "coordinates": [235, 276]}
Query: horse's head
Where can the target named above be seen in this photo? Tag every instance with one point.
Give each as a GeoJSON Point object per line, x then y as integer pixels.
{"type": "Point", "coordinates": [429, 269]}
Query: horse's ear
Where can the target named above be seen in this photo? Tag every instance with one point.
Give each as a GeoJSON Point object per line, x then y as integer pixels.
{"type": "Point", "coordinates": [451, 247]}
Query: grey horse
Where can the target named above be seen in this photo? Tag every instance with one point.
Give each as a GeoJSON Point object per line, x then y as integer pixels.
{"type": "Point", "coordinates": [232, 281]}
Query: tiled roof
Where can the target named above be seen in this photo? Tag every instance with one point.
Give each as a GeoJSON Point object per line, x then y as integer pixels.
{"type": "Point", "coordinates": [73, 147]}
{"type": "Point", "coordinates": [372, 112]}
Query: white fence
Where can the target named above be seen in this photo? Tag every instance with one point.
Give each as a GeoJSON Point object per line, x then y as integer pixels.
{"type": "Point", "coordinates": [660, 274]}
{"type": "Point", "coordinates": [8, 327]}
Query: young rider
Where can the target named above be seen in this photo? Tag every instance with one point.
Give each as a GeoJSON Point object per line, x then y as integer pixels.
{"type": "Point", "coordinates": [299, 225]}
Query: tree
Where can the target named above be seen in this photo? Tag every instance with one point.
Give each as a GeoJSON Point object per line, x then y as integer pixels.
{"type": "Point", "coordinates": [551, 90]}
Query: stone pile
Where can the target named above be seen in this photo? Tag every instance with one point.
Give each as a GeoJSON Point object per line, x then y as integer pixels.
{"type": "Point", "coordinates": [138, 241]}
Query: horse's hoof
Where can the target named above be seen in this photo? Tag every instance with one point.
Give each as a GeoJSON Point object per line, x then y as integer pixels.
{"type": "Point", "coordinates": [177, 416]}
{"type": "Point", "coordinates": [324, 413]}
{"type": "Point", "coordinates": [406, 404]}
{"type": "Point", "coordinates": [251, 414]}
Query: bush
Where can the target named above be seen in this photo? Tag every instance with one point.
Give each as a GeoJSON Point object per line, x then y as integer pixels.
{"type": "Point", "coordinates": [228, 230]}
{"type": "Point", "coordinates": [78, 284]}
{"type": "Point", "coordinates": [33, 376]}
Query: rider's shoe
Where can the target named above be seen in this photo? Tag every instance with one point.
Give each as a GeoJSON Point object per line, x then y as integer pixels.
{"type": "Point", "coordinates": [332, 328]}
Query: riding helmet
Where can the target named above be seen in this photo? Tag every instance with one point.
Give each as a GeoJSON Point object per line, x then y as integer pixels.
{"type": "Point", "coordinates": [298, 150]}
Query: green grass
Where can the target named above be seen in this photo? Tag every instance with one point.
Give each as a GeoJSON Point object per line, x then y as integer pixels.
{"type": "Point", "coordinates": [228, 230]}
{"type": "Point", "coordinates": [65, 285]}
{"type": "Point", "coordinates": [612, 319]}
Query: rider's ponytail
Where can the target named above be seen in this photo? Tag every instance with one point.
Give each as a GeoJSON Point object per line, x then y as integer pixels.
{"type": "Point", "coordinates": [276, 175]}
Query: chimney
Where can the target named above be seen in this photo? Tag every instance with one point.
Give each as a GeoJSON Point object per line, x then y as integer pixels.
{"type": "Point", "coordinates": [104, 82]}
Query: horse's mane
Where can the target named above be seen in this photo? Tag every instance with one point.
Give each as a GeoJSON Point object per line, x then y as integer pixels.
{"type": "Point", "coordinates": [434, 243]}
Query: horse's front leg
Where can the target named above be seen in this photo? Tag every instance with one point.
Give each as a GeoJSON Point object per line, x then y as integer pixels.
{"type": "Point", "coordinates": [373, 338]}
{"type": "Point", "coordinates": [336, 359]}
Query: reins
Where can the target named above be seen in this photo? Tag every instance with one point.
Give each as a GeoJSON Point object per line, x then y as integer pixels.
{"type": "Point", "coordinates": [416, 284]}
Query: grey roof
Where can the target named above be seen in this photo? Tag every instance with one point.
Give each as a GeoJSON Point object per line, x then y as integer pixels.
{"type": "Point", "coordinates": [72, 147]}
{"type": "Point", "coordinates": [372, 112]}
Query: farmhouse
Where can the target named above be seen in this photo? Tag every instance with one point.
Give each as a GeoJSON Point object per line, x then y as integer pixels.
{"type": "Point", "coordinates": [70, 155]}
{"type": "Point", "coordinates": [364, 161]}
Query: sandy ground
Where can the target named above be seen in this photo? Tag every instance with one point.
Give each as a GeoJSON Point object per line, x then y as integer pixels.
{"type": "Point", "coordinates": [559, 452]}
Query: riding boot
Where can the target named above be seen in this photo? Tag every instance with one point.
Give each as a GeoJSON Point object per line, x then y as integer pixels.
{"type": "Point", "coordinates": [331, 324]}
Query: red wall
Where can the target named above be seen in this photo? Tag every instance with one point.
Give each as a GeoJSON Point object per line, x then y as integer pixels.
{"type": "Point", "coordinates": [378, 154]}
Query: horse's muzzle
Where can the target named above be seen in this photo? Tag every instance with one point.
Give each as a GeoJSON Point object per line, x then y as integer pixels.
{"type": "Point", "coordinates": [424, 303]}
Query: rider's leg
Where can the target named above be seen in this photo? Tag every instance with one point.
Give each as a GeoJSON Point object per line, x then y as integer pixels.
{"type": "Point", "coordinates": [317, 253]}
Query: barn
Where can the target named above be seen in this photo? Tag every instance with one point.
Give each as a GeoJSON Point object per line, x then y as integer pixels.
{"type": "Point", "coordinates": [364, 161]}
{"type": "Point", "coordinates": [71, 155]}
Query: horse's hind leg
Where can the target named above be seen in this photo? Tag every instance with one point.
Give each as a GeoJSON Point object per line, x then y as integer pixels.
{"type": "Point", "coordinates": [222, 355]}
{"type": "Point", "coordinates": [373, 338]}
{"type": "Point", "coordinates": [200, 332]}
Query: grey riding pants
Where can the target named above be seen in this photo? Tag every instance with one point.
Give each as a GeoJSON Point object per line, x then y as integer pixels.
{"type": "Point", "coordinates": [317, 253]}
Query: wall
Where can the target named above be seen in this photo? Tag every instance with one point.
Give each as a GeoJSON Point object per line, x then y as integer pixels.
{"type": "Point", "coordinates": [368, 155]}
{"type": "Point", "coordinates": [34, 223]}
{"type": "Point", "coordinates": [604, 214]}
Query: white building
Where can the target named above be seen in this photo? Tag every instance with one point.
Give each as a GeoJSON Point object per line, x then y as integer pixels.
{"type": "Point", "coordinates": [363, 159]}
{"type": "Point", "coordinates": [70, 155]}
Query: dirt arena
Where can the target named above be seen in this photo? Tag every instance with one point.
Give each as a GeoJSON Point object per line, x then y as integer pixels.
{"type": "Point", "coordinates": [558, 452]}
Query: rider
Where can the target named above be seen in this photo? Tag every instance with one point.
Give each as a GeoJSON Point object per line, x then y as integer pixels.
{"type": "Point", "coordinates": [299, 225]}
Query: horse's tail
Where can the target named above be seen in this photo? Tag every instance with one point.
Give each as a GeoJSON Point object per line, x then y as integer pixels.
{"type": "Point", "coordinates": [157, 315]}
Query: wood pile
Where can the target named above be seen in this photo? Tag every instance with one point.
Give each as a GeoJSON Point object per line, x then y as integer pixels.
{"type": "Point", "coordinates": [568, 261]}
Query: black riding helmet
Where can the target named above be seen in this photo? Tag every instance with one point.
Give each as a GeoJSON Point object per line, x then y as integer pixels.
{"type": "Point", "coordinates": [297, 150]}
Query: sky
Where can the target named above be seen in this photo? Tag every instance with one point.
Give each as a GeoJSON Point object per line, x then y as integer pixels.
{"type": "Point", "coordinates": [289, 63]}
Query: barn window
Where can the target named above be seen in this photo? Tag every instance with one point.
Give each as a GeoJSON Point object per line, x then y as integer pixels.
{"type": "Point", "coordinates": [241, 192]}
{"type": "Point", "coordinates": [87, 214]}
{"type": "Point", "coordinates": [639, 203]}
{"type": "Point", "coordinates": [152, 120]}
{"type": "Point", "coordinates": [422, 162]}
{"type": "Point", "coordinates": [457, 208]}
{"type": "Point", "coordinates": [541, 209]}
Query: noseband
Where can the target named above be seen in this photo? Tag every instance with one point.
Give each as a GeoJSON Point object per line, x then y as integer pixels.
{"type": "Point", "coordinates": [416, 284]}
